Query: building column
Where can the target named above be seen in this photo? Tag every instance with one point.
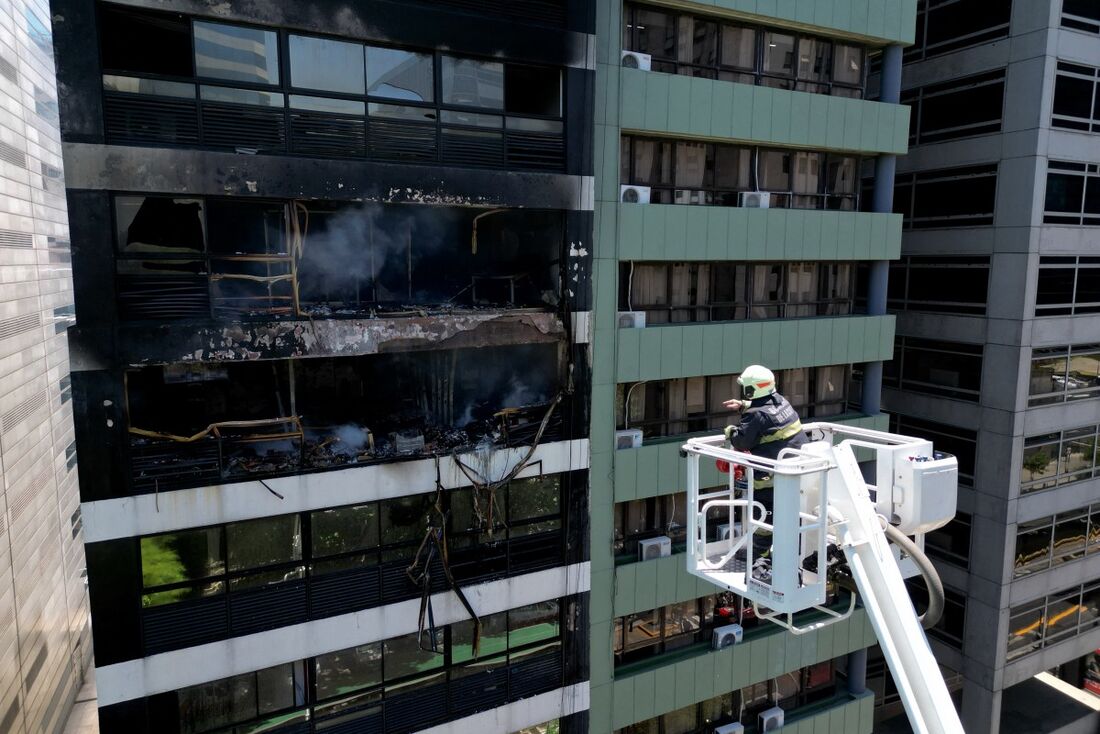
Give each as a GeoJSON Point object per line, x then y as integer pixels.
{"type": "Point", "coordinates": [882, 200]}
{"type": "Point", "coordinates": [981, 708]}
{"type": "Point", "coordinates": [857, 671]}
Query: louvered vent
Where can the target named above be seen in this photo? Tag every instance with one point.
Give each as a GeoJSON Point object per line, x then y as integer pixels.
{"type": "Point", "coordinates": [22, 411]}
{"type": "Point", "coordinates": [19, 324]}
{"type": "Point", "coordinates": [11, 238]}
{"type": "Point", "coordinates": [11, 154]}
{"type": "Point", "coordinates": [8, 71]}
{"type": "Point", "coordinates": [26, 497]}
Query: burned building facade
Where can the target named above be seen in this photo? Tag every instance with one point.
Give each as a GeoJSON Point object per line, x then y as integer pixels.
{"type": "Point", "coordinates": [330, 375]}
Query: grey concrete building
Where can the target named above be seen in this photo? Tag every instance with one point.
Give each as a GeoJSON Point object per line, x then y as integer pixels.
{"type": "Point", "coordinates": [996, 355]}
{"type": "Point", "coordinates": [44, 633]}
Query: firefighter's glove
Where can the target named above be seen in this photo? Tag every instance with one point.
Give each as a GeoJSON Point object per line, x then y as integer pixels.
{"type": "Point", "coordinates": [730, 432]}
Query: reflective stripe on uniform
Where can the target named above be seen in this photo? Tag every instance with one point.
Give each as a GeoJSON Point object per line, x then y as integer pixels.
{"type": "Point", "coordinates": [783, 433]}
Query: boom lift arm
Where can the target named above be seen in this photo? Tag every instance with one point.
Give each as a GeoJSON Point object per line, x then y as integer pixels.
{"type": "Point", "coordinates": [821, 499]}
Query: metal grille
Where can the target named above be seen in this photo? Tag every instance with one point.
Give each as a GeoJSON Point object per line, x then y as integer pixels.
{"type": "Point", "coordinates": [19, 324]}
{"type": "Point", "coordinates": [267, 607]}
{"type": "Point", "coordinates": [20, 504]}
{"type": "Point", "coordinates": [416, 710]}
{"type": "Point", "coordinates": [340, 593]}
{"type": "Point", "coordinates": [479, 692]}
{"type": "Point", "coordinates": [537, 675]}
{"type": "Point", "coordinates": [146, 120]}
{"type": "Point", "coordinates": [173, 626]}
{"type": "Point", "coordinates": [473, 147]}
{"type": "Point", "coordinates": [8, 71]}
{"type": "Point", "coordinates": [401, 141]}
{"type": "Point", "coordinates": [162, 298]}
{"type": "Point", "coordinates": [12, 155]}
{"type": "Point", "coordinates": [160, 466]}
{"type": "Point", "coordinates": [243, 127]}
{"type": "Point", "coordinates": [22, 411]}
{"type": "Point", "coordinates": [11, 238]}
{"type": "Point", "coordinates": [327, 135]}
{"type": "Point", "coordinates": [542, 152]}
{"type": "Point", "coordinates": [369, 722]}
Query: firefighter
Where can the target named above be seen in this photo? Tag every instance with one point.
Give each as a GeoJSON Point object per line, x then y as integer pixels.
{"type": "Point", "coordinates": [768, 422]}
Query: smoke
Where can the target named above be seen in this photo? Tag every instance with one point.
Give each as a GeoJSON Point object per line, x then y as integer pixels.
{"type": "Point", "coordinates": [351, 440]}
{"type": "Point", "coordinates": [372, 254]}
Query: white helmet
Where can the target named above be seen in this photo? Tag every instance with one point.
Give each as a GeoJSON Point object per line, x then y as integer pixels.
{"type": "Point", "coordinates": [756, 381]}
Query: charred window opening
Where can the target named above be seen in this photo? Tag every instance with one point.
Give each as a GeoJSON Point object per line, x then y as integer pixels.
{"type": "Point", "coordinates": [198, 424]}
{"type": "Point", "coordinates": [389, 258]}
{"type": "Point", "coordinates": [190, 258]}
{"type": "Point", "coordinates": [143, 42]}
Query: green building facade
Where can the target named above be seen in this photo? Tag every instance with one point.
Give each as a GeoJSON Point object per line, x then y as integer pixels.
{"type": "Point", "coordinates": [742, 96]}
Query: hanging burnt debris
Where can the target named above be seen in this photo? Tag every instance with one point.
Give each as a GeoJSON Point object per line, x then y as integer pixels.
{"type": "Point", "coordinates": [200, 424]}
{"type": "Point", "coordinates": [231, 259]}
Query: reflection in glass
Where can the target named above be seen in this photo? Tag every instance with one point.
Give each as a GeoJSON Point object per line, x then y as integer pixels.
{"type": "Point", "coordinates": [399, 74]}
{"type": "Point", "coordinates": [320, 63]}
{"type": "Point", "coordinates": [401, 112]}
{"type": "Point", "coordinates": [1032, 547]}
{"type": "Point", "coordinates": [1069, 538]}
{"type": "Point", "coordinates": [403, 656]}
{"type": "Point", "coordinates": [345, 671]}
{"type": "Point", "coordinates": [494, 637]}
{"type": "Point", "coordinates": [241, 96]}
{"type": "Point", "coordinates": [237, 53]}
{"type": "Point", "coordinates": [738, 47]}
{"type": "Point", "coordinates": [534, 622]}
{"type": "Point", "coordinates": [1076, 458]}
{"type": "Point", "coordinates": [472, 83]}
{"type": "Point", "coordinates": [264, 542]}
{"type": "Point", "coordinates": [1040, 461]}
{"type": "Point", "coordinates": [134, 85]}
{"type": "Point", "coordinates": [328, 104]}
{"type": "Point", "coordinates": [1025, 630]}
{"type": "Point", "coordinates": [344, 529]}
{"type": "Point", "coordinates": [182, 556]}
{"type": "Point", "coordinates": [847, 64]}
{"type": "Point", "coordinates": [778, 53]}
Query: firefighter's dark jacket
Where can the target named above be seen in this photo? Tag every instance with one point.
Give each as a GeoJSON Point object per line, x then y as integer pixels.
{"type": "Point", "coordinates": [769, 425]}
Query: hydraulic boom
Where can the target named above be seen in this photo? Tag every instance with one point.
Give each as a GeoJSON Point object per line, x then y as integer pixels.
{"type": "Point", "coordinates": [849, 488]}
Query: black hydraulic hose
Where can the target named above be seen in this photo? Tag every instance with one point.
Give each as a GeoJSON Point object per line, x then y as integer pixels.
{"type": "Point", "coordinates": [931, 578]}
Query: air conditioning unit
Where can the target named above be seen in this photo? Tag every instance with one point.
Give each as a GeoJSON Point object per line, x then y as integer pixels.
{"type": "Point", "coordinates": [756, 199]}
{"type": "Point", "coordinates": [734, 728]}
{"type": "Point", "coordinates": [630, 438]}
{"type": "Point", "coordinates": [650, 548]}
{"type": "Point", "coordinates": [631, 194]}
{"type": "Point", "coordinates": [770, 720]}
{"type": "Point", "coordinates": [637, 60]}
{"type": "Point", "coordinates": [408, 442]}
{"type": "Point", "coordinates": [726, 635]}
{"type": "Point", "coordinates": [631, 319]}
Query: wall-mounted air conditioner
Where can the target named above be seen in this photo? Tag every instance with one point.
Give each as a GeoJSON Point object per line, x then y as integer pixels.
{"type": "Point", "coordinates": [637, 60]}
{"type": "Point", "coordinates": [770, 720]}
{"type": "Point", "coordinates": [756, 199]}
{"type": "Point", "coordinates": [631, 319]}
{"type": "Point", "coordinates": [734, 728]}
{"type": "Point", "coordinates": [726, 635]}
{"type": "Point", "coordinates": [630, 438]}
{"type": "Point", "coordinates": [630, 194]}
{"type": "Point", "coordinates": [651, 548]}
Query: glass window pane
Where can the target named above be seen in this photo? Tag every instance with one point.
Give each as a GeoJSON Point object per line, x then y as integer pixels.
{"type": "Point", "coordinates": [1032, 547]}
{"type": "Point", "coordinates": [843, 175]}
{"type": "Point", "coordinates": [680, 721]}
{"type": "Point", "coordinates": [405, 519]}
{"type": "Point", "coordinates": [814, 59]}
{"type": "Point", "coordinates": [342, 672]}
{"type": "Point", "coordinates": [275, 688]}
{"type": "Point", "coordinates": [1062, 617]}
{"type": "Point", "coordinates": [240, 96]}
{"type": "Point", "coordinates": [641, 630]}
{"type": "Point", "coordinates": [1065, 192]}
{"type": "Point", "coordinates": [1069, 538]}
{"type": "Point", "coordinates": [1025, 630]}
{"type": "Point", "coordinates": [264, 542]}
{"type": "Point", "coordinates": [848, 64]}
{"type": "Point", "coordinates": [1084, 371]}
{"type": "Point", "coordinates": [159, 87]}
{"type": "Point", "coordinates": [1048, 374]}
{"type": "Point", "coordinates": [778, 54]}
{"type": "Point", "coordinates": [732, 166]}
{"type": "Point", "coordinates": [1077, 455]}
{"type": "Point", "coordinates": [532, 90]}
{"type": "Point", "coordinates": [344, 529]}
{"type": "Point", "coordinates": [399, 74]}
{"type": "Point", "coordinates": [1040, 462]}
{"type": "Point", "coordinates": [694, 167]}
{"type": "Point", "coordinates": [738, 47]}
{"type": "Point", "coordinates": [655, 33]}
{"type": "Point", "coordinates": [1090, 607]}
{"type": "Point", "coordinates": [534, 497]}
{"type": "Point", "coordinates": [494, 637]}
{"type": "Point", "coordinates": [216, 704]}
{"type": "Point", "coordinates": [774, 170]}
{"type": "Point", "coordinates": [471, 83]}
{"type": "Point", "coordinates": [234, 52]}
{"type": "Point", "coordinates": [699, 38]}
{"type": "Point", "coordinates": [182, 556]}
{"type": "Point", "coordinates": [328, 104]}
{"type": "Point", "coordinates": [682, 621]}
{"type": "Point", "coordinates": [806, 176]}
{"type": "Point", "coordinates": [320, 63]}
{"type": "Point", "coordinates": [652, 162]}
{"type": "Point", "coordinates": [401, 112]}
{"type": "Point", "coordinates": [403, 657]}
{"type": "Point", "coordinates": [532, 623]}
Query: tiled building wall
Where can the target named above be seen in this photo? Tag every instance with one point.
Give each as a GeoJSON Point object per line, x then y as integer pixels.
{"type": "Point", "coordinates": [43, 610]}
